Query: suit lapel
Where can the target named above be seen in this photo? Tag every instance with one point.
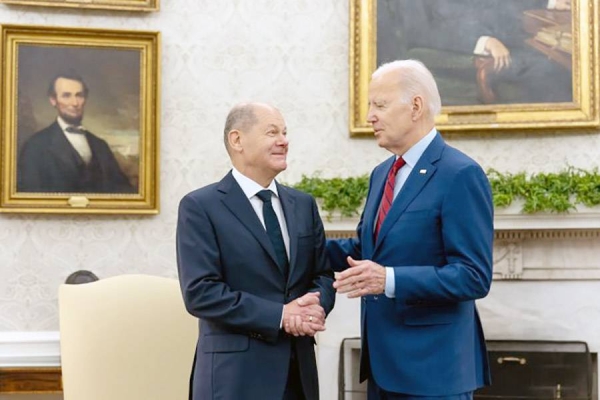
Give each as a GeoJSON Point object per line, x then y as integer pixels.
{"type": "Point", "coordinates": [239, 205]}
{"type": "Point", "coordinates": [63, 150]}
{"type": "Point", "coordinates": [287, 203]}
{"type": "Point", "coordinates": [416, 181]}
{"type": "Point", "coordinates": [372, 206]}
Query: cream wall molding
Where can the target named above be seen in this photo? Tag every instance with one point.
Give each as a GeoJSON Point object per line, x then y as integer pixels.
{"type": "Point", "coordinates": [29, 349]}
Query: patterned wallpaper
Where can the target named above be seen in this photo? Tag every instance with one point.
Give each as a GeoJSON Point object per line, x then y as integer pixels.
{"type": "Point", "coordinates": [293, 54]}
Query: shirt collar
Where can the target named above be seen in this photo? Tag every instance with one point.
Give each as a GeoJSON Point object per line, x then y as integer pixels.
{"type": "Point", "coordinates": [63, 125]}
{"type": "Point", "coordinates": [250, 187]}
{"type": "Point", "coordinates": [412, 156]}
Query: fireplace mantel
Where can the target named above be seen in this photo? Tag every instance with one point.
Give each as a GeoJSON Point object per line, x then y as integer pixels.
{"type": "Point", "coordinates": [539, 246]}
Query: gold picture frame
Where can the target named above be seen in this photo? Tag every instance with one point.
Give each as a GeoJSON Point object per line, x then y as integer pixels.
{"type": "Point", "coordinates": [401, 35]}
{"type": "Point", "coordinates": [121, 5]}
{"type": "Point", "coordinates": [80, 120]}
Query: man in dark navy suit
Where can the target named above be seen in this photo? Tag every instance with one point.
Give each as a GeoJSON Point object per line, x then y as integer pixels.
{"type": "Point", "coordinates": [252, 268]}
{"type": "Point", "coordinates": [65, 157]}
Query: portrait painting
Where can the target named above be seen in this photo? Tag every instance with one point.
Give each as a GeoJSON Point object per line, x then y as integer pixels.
{"type": "Point", "coordinates": [81, 121]}
{"type": "Point", "coordinates": [499, 64]}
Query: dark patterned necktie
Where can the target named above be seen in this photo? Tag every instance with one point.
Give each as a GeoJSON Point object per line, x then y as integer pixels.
{"type": "Point", "coordinates": [274, 230]}
{"type": "Point", "coordinates": [388, 194]}
{"type": "Point", "coordinates": [75, 129]}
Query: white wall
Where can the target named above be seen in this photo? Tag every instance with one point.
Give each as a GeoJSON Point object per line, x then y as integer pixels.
{"type": "Point", "coordinates": [293, 54]}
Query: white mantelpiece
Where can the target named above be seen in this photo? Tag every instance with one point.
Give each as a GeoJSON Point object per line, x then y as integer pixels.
{"type": "Point", "coordinates": [531, 247]}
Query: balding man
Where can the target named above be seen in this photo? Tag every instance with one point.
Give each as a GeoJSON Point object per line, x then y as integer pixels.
{"type": "Point", "coordinates": [423, 251]}
{"type": "Point", "coordinates": [252, 268]}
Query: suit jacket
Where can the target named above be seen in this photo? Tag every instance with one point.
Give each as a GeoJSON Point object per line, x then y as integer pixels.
{"type": "Point", "coordinates": [49, 163]}
{"type": "Point", "coordinates": [437, 236]}
{"type": "Point", "coordinates": [230, 281]}
{"type": "Point", "coordinates": [451, 25]}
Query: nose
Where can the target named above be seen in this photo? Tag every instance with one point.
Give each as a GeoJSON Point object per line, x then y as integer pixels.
{"type": "Point", "coordinates": [371, 116]}
{"type": "Point", "coordinates": [283, 140]}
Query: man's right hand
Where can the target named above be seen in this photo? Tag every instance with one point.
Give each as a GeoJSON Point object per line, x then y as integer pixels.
{"type": "Point", "coordinates": [304, 315]}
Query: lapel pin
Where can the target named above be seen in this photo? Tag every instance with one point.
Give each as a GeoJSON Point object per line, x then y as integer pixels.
{"type": "Point", "coordinates": [423, 171]}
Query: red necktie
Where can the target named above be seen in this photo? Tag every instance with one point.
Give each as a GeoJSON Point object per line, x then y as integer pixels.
{"type": "Point", "coordinates": [388, 194]}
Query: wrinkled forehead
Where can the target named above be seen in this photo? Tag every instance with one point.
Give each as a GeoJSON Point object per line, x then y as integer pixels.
{"type": "Point", "coordinates": [270, 117]}
{"type": "Point", "coordinates": [386, 84]}
{"type": "Point", "coordinates": [67, 85]}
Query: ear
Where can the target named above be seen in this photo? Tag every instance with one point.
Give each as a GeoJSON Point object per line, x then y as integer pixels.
{"type": "Point", "coordinates": [418, 107]}
{"type": "Point", "coordinates": [234, 138]}
{"type": "Point", "coordinates": [52, 101]}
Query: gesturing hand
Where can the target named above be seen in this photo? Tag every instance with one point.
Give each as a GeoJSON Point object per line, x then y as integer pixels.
{"type": "Point", "coordinates": [304, 316]}
{"type": "Point", "coordinates": [362, 278]}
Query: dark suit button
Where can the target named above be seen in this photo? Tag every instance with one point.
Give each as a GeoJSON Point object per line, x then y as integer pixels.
{"type": "Point", "coordinates": [288, 294]}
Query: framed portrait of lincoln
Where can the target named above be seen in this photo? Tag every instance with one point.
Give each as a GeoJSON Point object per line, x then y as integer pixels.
{"type": "Point", "coordinates": [80, 131]}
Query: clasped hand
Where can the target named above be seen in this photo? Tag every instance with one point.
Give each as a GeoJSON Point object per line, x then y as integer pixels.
{"type": "Point", "coordinates": [304, 316]}
{"type": "Point", "coordinates": [362, 278]}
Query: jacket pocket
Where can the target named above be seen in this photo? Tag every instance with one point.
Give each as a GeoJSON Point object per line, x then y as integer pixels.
{"type": "Point", "coordinates": [224, 343]}
{"type": "Point", "coordinates": [431, 315]}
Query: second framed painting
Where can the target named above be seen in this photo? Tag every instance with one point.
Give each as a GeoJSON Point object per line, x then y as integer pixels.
{"type": "Point", "coordinates": [500, 65]}
{"type": "Point", "coordinates": [122, 5]}
{"type": "Point", "coordinates": [79, 120]}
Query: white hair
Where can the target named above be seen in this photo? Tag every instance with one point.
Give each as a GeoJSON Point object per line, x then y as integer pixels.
{"type": "Point", "coordinates": [415, 80]}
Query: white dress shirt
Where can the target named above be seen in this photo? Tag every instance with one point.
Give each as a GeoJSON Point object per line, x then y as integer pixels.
{"type": "Point", "coordinates": [77, 140]}
{"type": "Point", "coordinates": [411, 157]}
{"type": "Point", "coordinates": [250, 189]}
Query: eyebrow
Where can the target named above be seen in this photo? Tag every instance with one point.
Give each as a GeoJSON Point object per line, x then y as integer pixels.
{"type": "Point", "coordinates": [273, 126]}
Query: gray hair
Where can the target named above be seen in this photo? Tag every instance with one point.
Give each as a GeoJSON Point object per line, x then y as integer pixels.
{"type": "Point", "coordinates": [241, 117]}
{"type": "Point", "coordinates": [415, 80]}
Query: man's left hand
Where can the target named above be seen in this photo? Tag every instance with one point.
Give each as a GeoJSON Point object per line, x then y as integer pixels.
{"type": "Point", "coordinates": [362, 278]}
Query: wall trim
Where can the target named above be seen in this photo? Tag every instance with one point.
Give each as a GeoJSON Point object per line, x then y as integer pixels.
{"type": "Point", "coordinates": [512, 250]}
{"type": "Point", "coordinates": [29, 349]}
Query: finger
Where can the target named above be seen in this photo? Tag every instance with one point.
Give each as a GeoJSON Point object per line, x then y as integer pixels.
{"type": "Point", "coordinates": [308, 299]}
{"type": "Point", "coordinates": [290, 327]}
{"type": "Point", "coordinates": [351, 261]}
{"type": "Point", "coordinates": [298, 325]}
{"type": "Point", "coordinates": [356, 293]}
{"type": "Point", "coordinates": [313, 319]}
{"type": "Point", "coordinates": [346, 288]}
{"type": "Point", "coordinates": [307, 330]}
{"type": "Point", "coordinates": [314, 328]}
{"type": "Point", "coordinates": [496, 63]}
{"type": "Point", "coordinates": [356, 270]}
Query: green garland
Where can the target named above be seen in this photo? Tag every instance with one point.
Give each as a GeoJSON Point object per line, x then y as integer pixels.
{"type": "Point", "coordinates": [552, 192]}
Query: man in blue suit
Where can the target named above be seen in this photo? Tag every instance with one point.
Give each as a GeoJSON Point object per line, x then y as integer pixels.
{"type": "Point", "coordinates": [252, 267]}
{"type": "Point", "coordinates": [423, 251]}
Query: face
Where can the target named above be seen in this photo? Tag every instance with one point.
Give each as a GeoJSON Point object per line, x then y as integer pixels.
{"type": "Point", "coordinates": [69, 100]}
{"type": "Point", "coordinates": [263, 147]}
{"type": "Point", "coordinates": [393, 121]}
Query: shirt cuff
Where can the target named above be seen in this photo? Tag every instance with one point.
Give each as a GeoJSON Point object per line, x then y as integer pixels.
{"type": "Point", "coordinates": [390, 282]}
{"type": "Point", "coordinates": [281, 322]}
{"type": "Point", "coordinates": [551, 4]}
{"type": "Point", "coordinates": [480, 46]}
